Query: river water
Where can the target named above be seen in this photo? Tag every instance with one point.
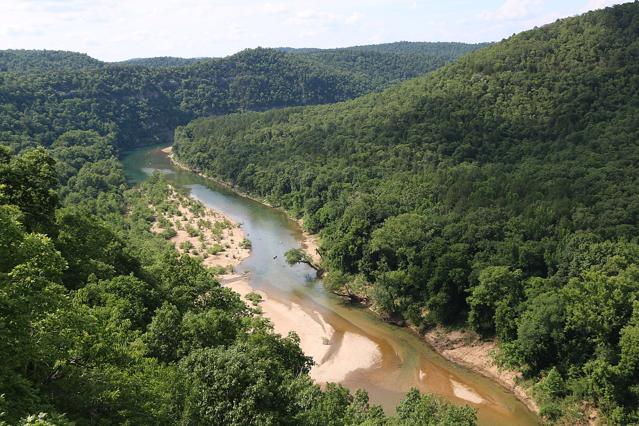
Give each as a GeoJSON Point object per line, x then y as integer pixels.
{"type": "Point", "coordinates": [402, 361]}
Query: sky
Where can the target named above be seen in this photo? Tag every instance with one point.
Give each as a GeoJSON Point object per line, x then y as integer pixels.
{"type": "Point", "coordinates": [113, 30]}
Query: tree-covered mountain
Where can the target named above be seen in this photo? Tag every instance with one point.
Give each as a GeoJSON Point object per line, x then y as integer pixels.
{"type": "Point", "coordinates": [102, 321]}
{"type": "Point", "coordinates": [24, 60]}
{"type": "Point", "coordinates": [20, 60]}
{"type": "Point", "coordinates": [439, 49]}
{"type": "Point", "coordinates": [388, 63]}
{"type": "Point", "coordinates": [500, 191]}
{"type": "Point", "coordinates": [143, 104]}
{"type": "Point", "coordinates": [160, 61]}
{"type": "Point", "coordinates": [381, 68]}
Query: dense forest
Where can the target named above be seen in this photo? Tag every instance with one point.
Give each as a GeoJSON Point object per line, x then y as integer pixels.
{"type": "Point", "coordinates": [498, 192]}
{"type": "Point", "coordinates": [101, 320]}
{"type": "Point", "coordinates": [449, 50]}
{"type": "Point", "coordinates": [45, 93]}
{"type": "Point", "coordinates": [15, 60]}
{"type": "Point", "coordinates": [390, 62]}
{"type": "Point", "coordinates": [161, 61]}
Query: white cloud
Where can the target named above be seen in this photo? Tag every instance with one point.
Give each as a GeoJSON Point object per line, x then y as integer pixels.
{"type": "Point", "coordinates": [353, 18]}
{"type": "Point", "coordinates": [321, 18]}
{"type": "Point", "coordinates": [314, 23]}
{"type": "Point", "coordinates": [599, 4]}
{"type": "Point", "coordinates": [513, 10]}
{"type": "Point", "coordinates": [273, 8]}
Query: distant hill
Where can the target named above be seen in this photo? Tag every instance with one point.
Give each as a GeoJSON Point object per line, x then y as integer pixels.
{"type": "Point", "coordinates": [424, 56]}
{"type": "Point", "coordinates": [499, 191]}
{"type": "Point", "coordinates": [59, 60]}
{"type": "Point", "coordinates": [45, 60]}
{"type": "Point", "coordinates": [440, 49]}
{"type": "Point", "coordinates": [385, 66]}
{"type": "Point", "coordinates": [141, 101]}
{"type": "Point", "coordinates": [160, 61]}
{"type": "Point", "coordinates": [388, 63]}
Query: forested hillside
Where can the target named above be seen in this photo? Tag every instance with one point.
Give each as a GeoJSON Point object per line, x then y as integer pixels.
{"type": "Point", "coordinates": [382, 69]}
{"type": "Point", "coordinates": [499, 191]}
{"type": "Point", "coordinates": [16, 60]}
{"type": "Point", "coordinates": [441, 49]}
{"type": "Point", "coordinates": [161, 61]}
{"type": "Point", "coordinates": [103, 322]}
{"type": "Point", "coordinates": [46, 93]}
{"type": "Point", "coordinates": [390, 62]}
{"type": "Point", "coordinates": [449, 50]}
{"type": "Point", "coordinates": [139, 105]}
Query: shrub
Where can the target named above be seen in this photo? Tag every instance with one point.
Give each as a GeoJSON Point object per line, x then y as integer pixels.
{"type": "Point", "coordinates": [246, 244]}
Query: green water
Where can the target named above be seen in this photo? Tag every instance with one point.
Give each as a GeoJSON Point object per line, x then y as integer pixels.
{"type": "Point", "coordinates": [405, 362]}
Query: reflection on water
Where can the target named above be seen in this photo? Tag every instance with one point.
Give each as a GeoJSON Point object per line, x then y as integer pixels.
{"type": "Point", "coordinates": [401, 359]}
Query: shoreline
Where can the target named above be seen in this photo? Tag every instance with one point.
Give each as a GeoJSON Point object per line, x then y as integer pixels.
{"type": "Point", "coordinates": [310, 242]}
{"type": "Point", "coordinates": [464, 348]}
{"type": "Point", "coordinates": [329, 350]}
{"type": "Point", "coordinates": [451, 345]}
{"type": "Point", "coordinates": [169, 153]}
{"type": "Point", "coordinates": [201, 232]}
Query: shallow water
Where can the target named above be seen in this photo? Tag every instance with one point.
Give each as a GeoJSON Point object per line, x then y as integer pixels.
{"type": "Point", "coordinates": [403, 361]}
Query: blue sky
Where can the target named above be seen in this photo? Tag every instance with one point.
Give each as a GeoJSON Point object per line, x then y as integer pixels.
{"type": "Point", "coordinates": [120, 29]}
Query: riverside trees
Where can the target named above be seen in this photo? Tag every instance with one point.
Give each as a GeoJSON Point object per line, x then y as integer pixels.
{"type": "Point", "coordinates": [104, 321]}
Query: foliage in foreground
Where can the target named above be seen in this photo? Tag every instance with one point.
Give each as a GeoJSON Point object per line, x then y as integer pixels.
{"type": "Point", "coordinates": [102, 322]}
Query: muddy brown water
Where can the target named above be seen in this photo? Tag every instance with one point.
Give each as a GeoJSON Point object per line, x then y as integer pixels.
{"type": "Point", "coordinates": [404, 360]}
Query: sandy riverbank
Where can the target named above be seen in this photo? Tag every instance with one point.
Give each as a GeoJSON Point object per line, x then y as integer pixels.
{"type": "Point", "coordinates": [335, 355]}
{"type": "Point", "coordinates": [311, 244]}
{"type": "Point", "coordinates": [467, 349]}
{"type": "Point", "coordinates": [457, 347]}
{"type": "Point", "coordinates": [201, 232]}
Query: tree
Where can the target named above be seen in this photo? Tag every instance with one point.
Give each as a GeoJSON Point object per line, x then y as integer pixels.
{"type": "Point", "coordinates": [499, 290]}
{"type": "Point", "coordinates": [341, 284]}
{"type": "Point", "coordinates": [540, 333]}
{"type": "Point", "coordinates": [237, 386]}
{"type": "Point", "coordinates": [628, 367]}
{"type": "Point", "coordinates": [29, 182]}
{"type": "Point", "coordinates": [29, 293]}
{"type": "Point", "coordinates": [600, 303]}
{"type": "Point", "coordinates": [399, 240]}
{"type": "Point", "coordinates": [295, 256]}
{"type": "Point", "coordinates": [210, 328]}
{"type": "Point", "coordinates": [127, 297]}
{"type": "Point", "coordinates": [164, 334]}
{"type": "Point", "coordinates": [416, 409]}
{"type": "Point", "coordinates": [11, 235]}
{"type": "Point", "coordinates": [92, 249]}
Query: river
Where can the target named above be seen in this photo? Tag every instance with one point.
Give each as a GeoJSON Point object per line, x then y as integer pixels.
{"type": "Point", "coordinates": [400, 359]}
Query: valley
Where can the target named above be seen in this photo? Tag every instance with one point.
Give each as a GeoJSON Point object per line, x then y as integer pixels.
{"type": "Point", "coordinates": [350, 345]}
{"type": "Point", "coordinates": [393, 234]}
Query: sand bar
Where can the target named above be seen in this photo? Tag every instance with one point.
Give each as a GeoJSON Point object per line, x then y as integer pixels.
{"type": "Point", "coordinates": [335, 355]}
{"type": "Point", "coordinates": [201, 232]}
